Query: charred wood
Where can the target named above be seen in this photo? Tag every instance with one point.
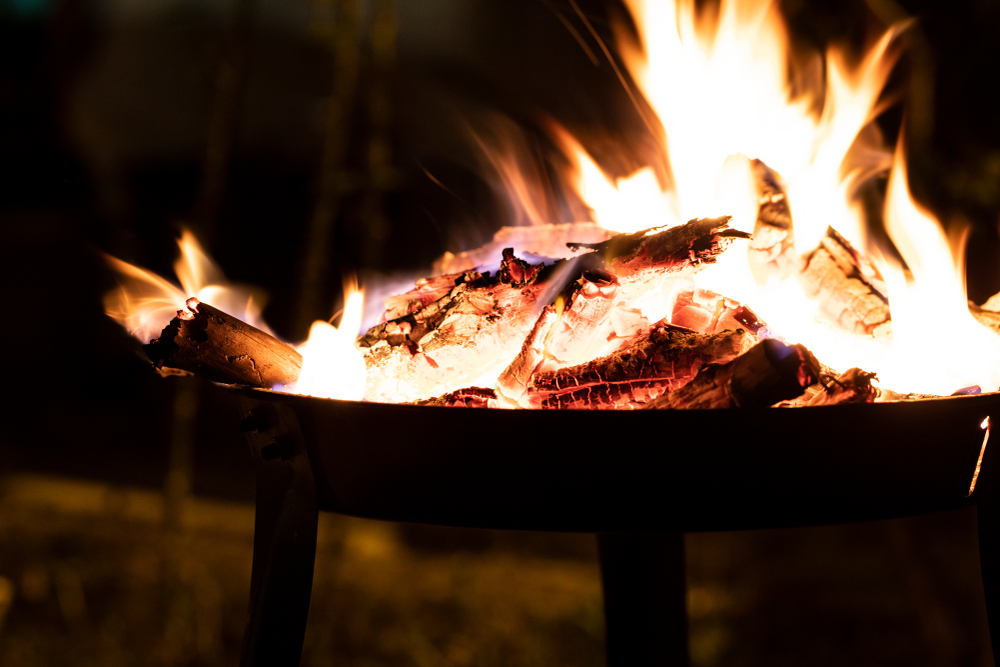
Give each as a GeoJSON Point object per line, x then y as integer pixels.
{"type": "Point", "coordinates": [477, 327]}
{"type": "Point", "coordinates": [470, 397]}
{"type": "Point", "coordinates": [662, 360]}
{"type": "Point", "coordinates": [582, 326]}
{"type": "Point", "coordinates": [548, 241]}
{"type": "Point", "coordinates": [221, 348]}
{"type": "Point", "coordinates": [426, 292]}
{"type": "Point", "coordinates": [593, 317]}
{"type": "Point", "coordinates": [849, 290]}
{"type": "Point", "coordinates": [770, 372]}
{"type": "Point", "coordinates": [706, 311]}
{"type": "Point", "coordinates": [852, 386]}
{"type": "Point", "coordinates": [672, 250]}
{"type": "Point", "coordinates": [772, 249]}
{"type": "Point", "coordinates": [513, 382]}
{"type": "Point", "coordinates": [833, 275]}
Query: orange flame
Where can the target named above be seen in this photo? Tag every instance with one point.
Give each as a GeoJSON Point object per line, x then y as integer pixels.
{"type": "Point", "coordinates": [332, 366]}
{"type": "Point", "coordinates": [938, 346]}
{"type": "Point", "coordinates": [144, 303]}
{"type": "Point", "coordinates": [727, 84]}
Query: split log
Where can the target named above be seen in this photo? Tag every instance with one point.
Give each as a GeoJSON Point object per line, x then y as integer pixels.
{"type": "Point", "coordinates": [662, 360]}
{"type": "Point", "coordinates": [476, 329]}
{"type": "Point", "coordinates": [770, 372]}
{"type": "Point", "coordinates": [708, 312]}
{"type": "Point", "coordinates": [847, 286]}
{"type": "Point", "coordinates": [832, 274]}
{"type": "Point", "coordinates": [470, 397]}
{"type": "Point", "coordinates": [665, 250]}
{"type": "Point", "coordinates": [594, 317]}
{"type": "Point", "coordinates": [582, 325]}
{"type": "Point", "coordinates": [772, 249]}
{"type": "Point", "coordinates": [513, 382]}
{"type": "Point", "coordinates": [221, 348]}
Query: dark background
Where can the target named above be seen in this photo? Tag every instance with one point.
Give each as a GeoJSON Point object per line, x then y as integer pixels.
{"type": "Point", "coordinates": [298, 139]}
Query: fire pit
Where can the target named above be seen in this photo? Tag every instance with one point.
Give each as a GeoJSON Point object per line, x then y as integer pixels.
{"type": "Point", "coordinates": [652, 473]}
{"type": "Point", "coordinates": [608, 346]}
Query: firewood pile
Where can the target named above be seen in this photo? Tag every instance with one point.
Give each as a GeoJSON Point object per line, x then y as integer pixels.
{"type": "Point", "coordinates": [568, 329]}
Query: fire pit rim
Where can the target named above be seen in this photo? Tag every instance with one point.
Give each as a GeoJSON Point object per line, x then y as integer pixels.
{"type": "Point", "coordinates": [566, 472]}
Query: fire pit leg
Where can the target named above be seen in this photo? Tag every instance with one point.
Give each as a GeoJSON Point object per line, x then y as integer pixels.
{"type": "Point", "coordinates": [284, 543]}
{"type": "Point", "coordinates": [988, 520]}
{"type": "Point", "coordinates": [644, 599]}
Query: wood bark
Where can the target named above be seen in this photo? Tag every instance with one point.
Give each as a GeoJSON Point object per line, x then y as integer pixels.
{"type": "Point", "coordinates": [770, 372]}
{"type": "Point", "coordinates": [221, 348]}
{"type": "Point", "coordinates": [662, 360]}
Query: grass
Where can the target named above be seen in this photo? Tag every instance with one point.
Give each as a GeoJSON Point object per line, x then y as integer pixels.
{"type": "Point", "coordinates": [90, 575]}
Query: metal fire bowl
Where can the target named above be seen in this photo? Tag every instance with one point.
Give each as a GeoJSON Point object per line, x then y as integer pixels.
{"type": "Point", "coordinates": [613, 471]}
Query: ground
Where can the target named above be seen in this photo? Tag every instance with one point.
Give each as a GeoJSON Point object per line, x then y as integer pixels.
{"type": "Point", "coordinates": [91, 574]}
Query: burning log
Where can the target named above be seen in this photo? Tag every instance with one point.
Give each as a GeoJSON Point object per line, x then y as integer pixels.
{"type": "Point", "coordinates": [772, 249]}
{"type": "Point", "coordinates": [549, 241]}
{"type": "Point", "coordinates": [470, 397]}
{"type": "Point", "coordinates": [846, 285]}
{"type": "Point", "coordinates": [852, 386]}
{"type": "Point", "coordinates": [593, 320]}
{"type": "Point", "coordinates": [513, 382]}
{"type": "Point", "coordinates": [583, 326]}
{"type": "Point", "coordinates": [705, 311]}
{"type": "Point", "coordinates": [770, 372]}
{"type": "Point", "coordinates": [832, 274]}
{"type": "Point", "coordinates": [221, 348]}
{"type": "Point", "coordinates": [662, 360]}
{"type": "Point", "coordinates": [637, 256]}
{"type": "Point", "coordinates": [426, 292]}
{"type": "Point", "coordinates": [477, 327]}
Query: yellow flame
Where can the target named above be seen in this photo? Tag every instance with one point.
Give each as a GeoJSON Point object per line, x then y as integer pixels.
{"type": "Point", "coordinates": [144, 302]}
{"type": "Point", "coordinates": [720, 86]}
{"type": "Point", "coordinates": [332, 367]}
{"type": "Point", "coordinates": [938, 346]}
{"type": "Point", "coordinates": [727, 84]}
